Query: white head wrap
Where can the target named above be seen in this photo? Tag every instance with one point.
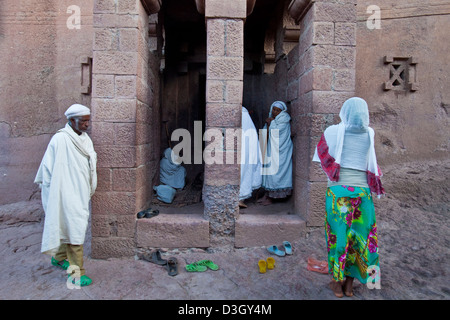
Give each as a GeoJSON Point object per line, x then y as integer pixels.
{"type": "Point", "coordinates": [280, 105]}
{"type": "Point", "coordinates": [77, 110]}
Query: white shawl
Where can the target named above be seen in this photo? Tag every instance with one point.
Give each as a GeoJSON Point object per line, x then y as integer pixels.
{"type": "Point", "coordinates": [250, 158]}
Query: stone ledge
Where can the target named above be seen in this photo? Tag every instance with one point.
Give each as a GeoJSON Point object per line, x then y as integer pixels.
{"type": "Point", "coordinates": [254, 230]}
{"type": "Point", "coordinates": [173, 231]}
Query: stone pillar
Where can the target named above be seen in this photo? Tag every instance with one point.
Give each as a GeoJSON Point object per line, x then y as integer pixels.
{"type": "Point", "coordinates": [321, 77]}
{"type": "Point", "coordinates": [122, 102]}
{"type": "Point", "coordinates": [224, 85]}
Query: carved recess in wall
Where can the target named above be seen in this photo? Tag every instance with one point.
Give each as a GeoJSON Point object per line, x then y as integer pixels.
{"type": "Point", "coordinates": [86, 75]}
{"type": "Point", "coordinates": [402, 73]}
{"type": "Point", "coordinates": [281, 37]}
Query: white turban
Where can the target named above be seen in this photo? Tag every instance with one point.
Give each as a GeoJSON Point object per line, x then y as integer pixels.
{"type": "Point", "coordinates": [77, 110]}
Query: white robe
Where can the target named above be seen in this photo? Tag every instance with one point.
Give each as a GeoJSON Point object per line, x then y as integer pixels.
{"type": "Point", "coordinates": [251, 167]}
{"type": "Point", "coordinates": [67, 177]}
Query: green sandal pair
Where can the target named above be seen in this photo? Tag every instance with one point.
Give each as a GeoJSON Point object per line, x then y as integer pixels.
{"type": "Point", "coordinates": [201, 266]}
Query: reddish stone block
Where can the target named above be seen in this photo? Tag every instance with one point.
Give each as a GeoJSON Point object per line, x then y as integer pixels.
{"type": "Point", "coordinates": [128, 39]}
{"type": "Point", "coordinates": [225, 68]}
{"type": "Point", "coordinates": [114, 110]}
{"type": "Point", "coordinates": [220, 8]}
{"type": "Point", "coordinates": [125, 87]}
{"type": "Point", "coordinates": [102, 86]}
{"type": "Point", "coordinates": [114, 203]}
{"type": "Point", "coordinates": [111, 247]}
{"type": "Point", "coordinates": [215, 37]}
{"type": "Point", "coordinates": [105, 39]}
{"type": "Point", "coordinates": [104, 182]}
{"type": "Point", "coordinates": [344, 80]}
{"type": "Point", "coordinates": [223, 115]}
{"type": "Point", "coordinates": [116, 62]}
{"type": "Point", "coordinates": [104, 6]}
{"type": "Point", "coordinates": [345, 34]}
{"type": "Point", "coordinates": [116, 156]}
{"type": "Point", "coordinates": [234, 38]}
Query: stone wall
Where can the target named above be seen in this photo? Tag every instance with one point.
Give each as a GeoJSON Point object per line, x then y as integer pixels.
{"type": "Point", "coordinates": [320, 77]}
{"type": "Point", "coordinates": [42, 48]}
{"type": "Point", "coordinates": [410, 125]}
{"type": "Point", "coordinates": [125, 104]}
{"type": "Point", "coordinates": [224, 83]}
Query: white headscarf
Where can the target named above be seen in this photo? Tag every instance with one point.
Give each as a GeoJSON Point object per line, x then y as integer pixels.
{"type": "Point", "coordinates": [354, 116]}
{"type": "Point", "coordinates": [77, 110]}
{"type": "Point", "coordinates": [280, 105]}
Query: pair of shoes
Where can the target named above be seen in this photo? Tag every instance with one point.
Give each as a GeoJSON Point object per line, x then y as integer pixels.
{"type": "Point", "coordinates": [201, 266]}
{"type": "Point", "coordinates": [287, 249]}
{"type": "Point", "coordinates": [60, 264]}
{"type": "Point", "coordinates": [148, 213]}
{"type": "Point", "coordinates": [263, 265]}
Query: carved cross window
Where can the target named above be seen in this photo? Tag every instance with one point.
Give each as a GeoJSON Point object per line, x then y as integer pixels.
{"type": "Point", "coordinates": [402, 73]}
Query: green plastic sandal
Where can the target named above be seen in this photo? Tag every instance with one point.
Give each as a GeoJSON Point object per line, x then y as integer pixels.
{"type": "Point", "coordinates": [207, 263]}
{"type": "Point", "coordinates": [60, 264]}
{"type": "Point", "coordinates": [195, 268]}
{"type": "Point", "coordinates": [83, 281]}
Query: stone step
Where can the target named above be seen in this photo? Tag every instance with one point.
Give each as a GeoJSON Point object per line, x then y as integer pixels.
{"type": "Point", "coordinates": [188, 230]}
{"type": "Point", "coordinates": [254, 230]}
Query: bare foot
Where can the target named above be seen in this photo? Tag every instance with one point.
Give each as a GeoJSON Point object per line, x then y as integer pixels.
{"type": "Point", "coordinates": [336, 287]}
{"type": "Point", "coordinates": [348, 286]}
{"type": "Point", "coordinates": [265, 201]}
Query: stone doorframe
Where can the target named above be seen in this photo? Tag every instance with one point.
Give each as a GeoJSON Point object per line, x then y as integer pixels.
{"type": "Point", "coordinates": [320, 77]}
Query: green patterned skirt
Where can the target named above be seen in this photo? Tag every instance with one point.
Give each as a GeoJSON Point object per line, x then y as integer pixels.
{"type": "Point", "coordinates": [351, 233]}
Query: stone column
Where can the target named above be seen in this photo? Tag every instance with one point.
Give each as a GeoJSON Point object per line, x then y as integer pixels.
{"type": "Point", "coordinates": [122, 104]}
{"type": "Point", "coordinates": [321, 78]}
{"type": "Point", "coordinates": [224, 85]}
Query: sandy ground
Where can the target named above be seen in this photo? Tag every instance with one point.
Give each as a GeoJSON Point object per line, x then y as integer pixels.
{"type": "Point", "coordinates": [413, 226]}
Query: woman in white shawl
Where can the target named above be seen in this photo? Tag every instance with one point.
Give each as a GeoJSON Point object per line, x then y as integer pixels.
{"type": "Point", "coordinates": [250, 159]}
{"type": "Point", "coordinates": [346, 153]}
{"type": "Point", "coordinates": [277, 168]}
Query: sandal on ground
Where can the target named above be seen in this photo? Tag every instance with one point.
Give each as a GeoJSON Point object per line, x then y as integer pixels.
{"type": "Point", "coordinates": [262, 264]}
{"type": "Point", "coordinates": [270, 263]}
{"type": "Point", "coordinates": [275, 250]}
{"type": "Point", "coordinates": [317, 266]}
{"type": "Point", "coordinates": [149, 213]}
{"type": "Point", "coordinates": [242, 205]}
{"type": "Point", "coordinates": [156, 258]}
{"type": "Point", "coordinates": [82, 281]}
{"type": "Point", "coordinates": [172, 266]}
{"type": "Point", "coordinates": [195, 268]}
{"type": "Point", "coordinates": [287, 247]}
{"type": "Point", "coordinates": [207, 263]}
{"type": "Point", "coordinates": [60, 264]}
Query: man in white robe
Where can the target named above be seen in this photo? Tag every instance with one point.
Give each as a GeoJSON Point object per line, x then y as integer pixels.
{"type": "Point", "coordinates": [68, 179]}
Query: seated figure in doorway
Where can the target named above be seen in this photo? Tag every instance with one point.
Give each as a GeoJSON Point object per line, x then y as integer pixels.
{"type": "Point", "coordinates": [250, 159]}
{"type": "Point", "coordinates": [277, 165]}
{"type": "Point", "coordinates": [171, 173]}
